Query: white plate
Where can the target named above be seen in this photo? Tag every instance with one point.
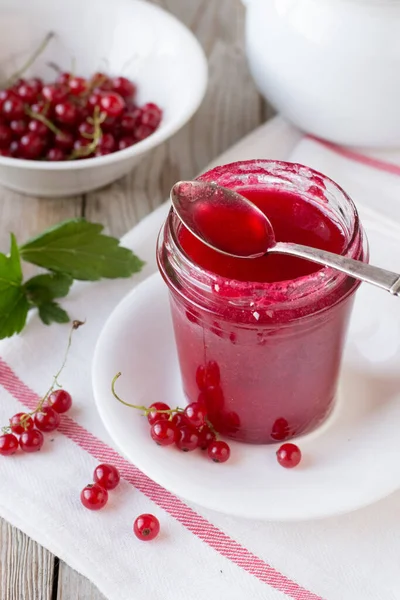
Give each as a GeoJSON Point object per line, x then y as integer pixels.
{"type": "Point", "coordinates": [352, 461]}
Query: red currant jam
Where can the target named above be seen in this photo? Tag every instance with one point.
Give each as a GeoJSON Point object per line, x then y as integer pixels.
{"type": "Point", "coordinates": [260, 340]}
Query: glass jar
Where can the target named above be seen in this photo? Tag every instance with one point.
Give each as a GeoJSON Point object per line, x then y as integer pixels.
{"type": "Point", "coordinates": [263, 357]}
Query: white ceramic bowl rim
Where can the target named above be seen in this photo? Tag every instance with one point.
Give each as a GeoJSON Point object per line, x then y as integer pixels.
{"type": "Point", "coordinates": [164, 131]}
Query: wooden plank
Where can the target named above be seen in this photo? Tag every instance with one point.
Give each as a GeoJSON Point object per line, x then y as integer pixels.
{"type": "Point", "coordinates": [26, 569]}
{"type": "Point", "coordinates": [72, 586]}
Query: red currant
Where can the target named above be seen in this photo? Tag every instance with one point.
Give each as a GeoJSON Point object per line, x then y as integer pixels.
{"type": "Point", "coordinates": [123, 87]}
{"type": "Point", "coordinates": [288, 456]}
{"type": "Point", "coordinates": [54, 94]}
{"type": "Point", "coordinates": [47, 419]}
{"type": "Point", "coordinates": [4, 152]}
{"type": "Point", "coordinates": [94, 99]}
{"type": "Point", "coordinates": [31, 146]}
{"type": "Point", "coordinates": [107, 476]}
{"type": "Point", "coordinates": [146, 527]}
{"type": "Point", "coordinates": [15, 149]}
{"type": "Point", "coordinates": [107, 142]}
{"type": "Point", "coordinates": [28, 93]}
{"type": "Point", "coordinates": [125, 142]}
{"type": "Point", "coordinates": [280, 430]}
{"type": "Point", "coordinates": [130, 120]}
{"type": "Point", "coordinates": [179, 420]}
{"type": "Point", "coordinates": [64, 140]}
{"type": "Point", "coordinates": [142, 132]}
{"type": "Point", "coordinates": [5, 136]}
{"type": "Point", "coordinates": [41, 108]}
{"type": "Point", "coordinates": [219, 451]}
{"type": "Point", "coordinates": [60, 400]}
{"type": "Point", "coordinates": [17, 427]}
{"type": "Point", "coordinates": [94, 497]}
{"type": "Point", "coordinates": [8, 444]}
{"type": "Point", "coordinates": [65, 113]}
{"type": "Point", "coordinates": [38, 127]}
{"type": "Point", "coordinates": [101, 80]}
{"type": "Point", "coordinates": [6, 95]}
{"type": "Point", "coordinates": [151, 115]}
{"type": "Point", "coordinates": [19, 127]}
{"type": "Point", "coordinates": [163, 433]}
{"type": "Point", "coordinates": [36, 83]}
{"type": "Point", "coordinates": [112, 104]}
{"type": "Point", "coordinates": [86, 128]}
{"type": "Point", "coordinates": [55, 155]}
{"type": "Point", "coordinates": [31, 440]}
{"type": "Point", "coordinates": [13, 108]}
{"type": "Point", "coordinates": [206, 437]}
{"type": "Point", "coordinates": [63, 78]}
{"type": "Point", "coordinates": [154, 415]}
{"type": "Point", "coordinates": [195, 414]}
{"type": "Point", "coordinates": [77, 85]}
{"type": "Point", "coordinates": [187, 438]}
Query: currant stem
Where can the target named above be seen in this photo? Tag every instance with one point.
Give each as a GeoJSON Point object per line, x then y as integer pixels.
{"type": "Point", "coordinates": [43, 119]}
{"type": "Point", "coordinates": [145, 409]}
{"type": "Point", "coordinates": [30, 60]}
{"type": "Point", "coordinates": [98, 119]}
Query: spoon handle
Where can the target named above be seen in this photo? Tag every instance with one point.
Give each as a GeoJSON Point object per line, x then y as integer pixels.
{"type": "Point", "coordinates": [375, 275]}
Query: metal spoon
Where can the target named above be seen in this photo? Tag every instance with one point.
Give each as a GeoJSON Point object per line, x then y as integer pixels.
{"type": "Point", "coordinates": [210, 212]}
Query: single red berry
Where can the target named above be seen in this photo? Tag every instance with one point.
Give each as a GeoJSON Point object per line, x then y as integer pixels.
{"type": "Point", "coordinates": [201, 377]}
{"type": "Point", "coordinates": [94, 497]}
{"type": "Point", "coordinates": [8, 444]}
{"type": "Point", "coordinates": [151, 115]}
{"type": "Point", "coordinates": [6, 95]}
{"type": "Point", "coordinates": [142, 132]}
{"type": "Point", "coordinates": [5, 136]}
{"type": "Point", "coordinates": [55, 155]}
{"type": "Point", "coordinates": [102, 152]}
{"type": "Point", "coordinates": [86, 128]}
{"type": "Point", "coordinates": [38, 127]}
{"type": "Point", "coordinates": [31, 440]}
{"type": "Point", "coordinates": [101, 80]}
{"type": "Point", "coordinates": [15, 149]}
{"type": "Point", "coordinates": [219, 451]}
{"type": "Point", "coordinates": [17, 427]}
{"type": "Point", "coordinates": [187, 438]}
{"type": "Point", "coordinates": [27, 92]}
{"type": "Point", "coordinates": [94, 99]}
{"type": "Point", "coordinates": [123, 87]}
{"type": "Point", "coordinates": [107, 476]}
{"type": "Point", "coordinates": [31, 146]}
{"type": "Point", "coordinates": [65, 113]}
{"type": "Point", "coordinates": [163, 433]}
{"type": "Point", "coordinates": [54, 94]}
{"type": "Point", "coordinates": [60, 400]}
{"type": "Point", "coordinates": [77, 85]}
{"type": "Point", "coordinates": [36, 83]}
{"type": "Point", "coordinates": [63, 78]}
{"type": "Point", "coordinates": [280, 430]}
{"type": "Point", "coordinates": [130, 120]}
{"type": "Point", "coordinates": [41, 108]}
{"type": "Point", "coordinates": [146, 527]}
{"type": "Point", "coordinates": [196, 414]}
{"type": "Point", "coordinates": [64, 140]}
{"type": "Point", "coordinates": [213, 376]}
{"type": "Point", "coordinates": [107, 142]}
{"type": "Point", "coordinates": [179, 420]}
{"type": "Point", "coordinates": [112, 104]}
{"type": "Point", "coordinates": [206, 437]}
{"type": "Point", "coordinates": [288, 456]}
{"type": "Point", "coordinates": [13, 108]}
{"type": "Point", "coordinates": [154, 415]}
{"type": "Point", "coordinates": [110, 125]}
{"type": "Point", "coordinates": [82, 143]}
{"type": "Point", "coordinates": [47, 419]}
{"type": "Point", "coordinates": [4, 152]}
{"type": "Point", "coordinates": [125, 142]}
{"type": "Point", "coordinates": [19, 127]}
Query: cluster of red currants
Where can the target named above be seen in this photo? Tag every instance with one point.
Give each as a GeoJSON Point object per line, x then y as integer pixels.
{"type": "Point", "coordinates": [26, 430]}
{"type": "Point", "coordinates": [72, 117]}
{"type": "Point", "coordinates": [188, 429]}
{"type": "Point", "coordinates": [95, 496]}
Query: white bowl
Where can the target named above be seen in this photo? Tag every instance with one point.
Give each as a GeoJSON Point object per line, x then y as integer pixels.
{"type": "Point", "coordinates": [123, 37]}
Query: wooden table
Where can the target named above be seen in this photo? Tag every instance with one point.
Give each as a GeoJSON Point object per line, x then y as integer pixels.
{"type": "Point", "coordinates": [231, 109]}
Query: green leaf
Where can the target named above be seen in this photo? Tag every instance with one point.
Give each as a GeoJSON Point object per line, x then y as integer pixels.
{"type": "Point", "coordinates": [78, 248]}
{"type": "Point", "coordinates": [51, 312]}
{"type": "Point", "coordinates": [44, 288]}
{"type": "Point", "coordinates": [13, 301]}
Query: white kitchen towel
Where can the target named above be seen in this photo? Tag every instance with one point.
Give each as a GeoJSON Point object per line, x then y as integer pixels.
{"type": "Point", "coordinates": [199, 554]}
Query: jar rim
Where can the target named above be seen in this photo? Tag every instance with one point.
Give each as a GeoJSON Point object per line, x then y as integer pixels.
{"type": "Point", "coordinates": [270, 294]}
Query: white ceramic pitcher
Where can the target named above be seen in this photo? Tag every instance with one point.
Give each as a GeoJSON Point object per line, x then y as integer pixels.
{"type": "Point", "coordinates": [332, 67]}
